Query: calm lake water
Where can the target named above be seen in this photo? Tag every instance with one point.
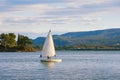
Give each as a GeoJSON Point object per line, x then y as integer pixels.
{"type": "Point", "coordinates": [76, 65]}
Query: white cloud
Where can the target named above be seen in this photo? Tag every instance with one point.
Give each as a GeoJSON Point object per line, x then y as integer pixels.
{"type": "Point", "coordinates": [78, 3]}
{"type": "Point", "coordinates": [0, 23]}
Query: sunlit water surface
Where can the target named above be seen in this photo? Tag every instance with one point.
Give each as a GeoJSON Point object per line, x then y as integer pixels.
{"type": "Point", "coordinates": [75, 65]}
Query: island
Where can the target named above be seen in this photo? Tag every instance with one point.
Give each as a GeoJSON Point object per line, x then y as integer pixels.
{"type": "Point", "coordinates": [8, 43]}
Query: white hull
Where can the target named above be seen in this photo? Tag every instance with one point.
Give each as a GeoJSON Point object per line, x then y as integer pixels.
{"type": "Point", "coordinates": [51, 60]}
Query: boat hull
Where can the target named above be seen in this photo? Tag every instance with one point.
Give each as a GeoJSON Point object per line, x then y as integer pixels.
{"type": "Point", "coordinates": [51, 60]}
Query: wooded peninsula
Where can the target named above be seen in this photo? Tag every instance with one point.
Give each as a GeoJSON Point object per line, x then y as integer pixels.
{"type": "Point", "coordinates": [8, 43]}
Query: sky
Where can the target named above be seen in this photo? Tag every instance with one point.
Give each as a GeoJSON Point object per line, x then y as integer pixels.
{"type": "Point", "coordinates": [36, 17]}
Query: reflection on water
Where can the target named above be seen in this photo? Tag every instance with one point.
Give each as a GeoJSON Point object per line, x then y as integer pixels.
{"type": "Point", "coordinates": [49, 70]}
{"type": "Point", "coordinates": [49, 64]}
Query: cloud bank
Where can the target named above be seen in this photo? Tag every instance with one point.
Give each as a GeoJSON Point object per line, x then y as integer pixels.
{"type": "Point", "coordinates": [39, 15]}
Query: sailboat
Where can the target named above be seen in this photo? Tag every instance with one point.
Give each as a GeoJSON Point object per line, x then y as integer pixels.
{"type": "Point", "coordinates": [48, 51]}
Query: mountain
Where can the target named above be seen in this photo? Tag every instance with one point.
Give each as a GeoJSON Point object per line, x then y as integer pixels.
{"type": "Point", "coordinates": [98, 38]}
{"type": "Point", "coordinates": [104, 33]}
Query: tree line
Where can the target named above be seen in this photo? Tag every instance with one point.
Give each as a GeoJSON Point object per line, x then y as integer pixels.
{"type": "Point", "coordinates": [8, 42]}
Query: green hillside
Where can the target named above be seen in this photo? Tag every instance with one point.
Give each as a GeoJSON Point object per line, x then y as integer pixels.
{"type": "Point", "coordinates": [108, 37]}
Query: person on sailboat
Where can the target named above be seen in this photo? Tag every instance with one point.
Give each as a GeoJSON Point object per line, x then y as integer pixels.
{"type": "Point", "coordinates": [48, 57]}
{"type": "Point", "coordinates": [40, 56]}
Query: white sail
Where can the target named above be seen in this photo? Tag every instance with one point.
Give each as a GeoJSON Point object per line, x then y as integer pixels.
{"type": "Point", "coordinates": [48, 47]}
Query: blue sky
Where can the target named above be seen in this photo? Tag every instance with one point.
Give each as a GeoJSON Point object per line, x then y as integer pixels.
{"type": "Point", "coordinates": [38, 16]}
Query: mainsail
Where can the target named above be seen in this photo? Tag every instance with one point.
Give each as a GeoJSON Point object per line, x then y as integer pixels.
{"type": "Point", "coordinates": [48, 47]}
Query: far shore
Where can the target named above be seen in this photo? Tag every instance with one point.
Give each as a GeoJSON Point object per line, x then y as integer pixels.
{"type": "Point", "coordinates": [13, 50]}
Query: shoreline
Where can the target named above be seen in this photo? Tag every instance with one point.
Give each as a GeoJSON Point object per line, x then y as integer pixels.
{"type": "Point", "coordinates": [12, 50]}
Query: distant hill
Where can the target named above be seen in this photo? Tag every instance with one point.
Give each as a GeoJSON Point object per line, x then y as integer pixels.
{"type": "Point", "coordinates": [104, 33]}
{"type": "Point", "coordinates": [98, 37]}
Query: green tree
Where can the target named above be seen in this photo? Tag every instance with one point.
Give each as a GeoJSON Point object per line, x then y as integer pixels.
{"type": "Point", "coordinates": [24, 44]}
{"type": "Point", "coordinates": [4, 40]}
{"type": "Point", "coordinates": [27, 41]}
{"type": "Point", "coordinates": [8, 40]}
{"type": "Point", "coordinates": [23, 41]}
{"type": "Point", "coordinates": [0, 40]}
{"type": "Point", "coordinates": [12, 41]}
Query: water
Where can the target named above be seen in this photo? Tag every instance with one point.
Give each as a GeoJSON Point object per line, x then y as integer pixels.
{"type": "Point", "coordinates": [76, 65]}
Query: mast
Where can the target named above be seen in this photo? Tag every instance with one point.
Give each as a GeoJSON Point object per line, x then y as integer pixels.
{"type": "Point", "coordinates": [48, 47]}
